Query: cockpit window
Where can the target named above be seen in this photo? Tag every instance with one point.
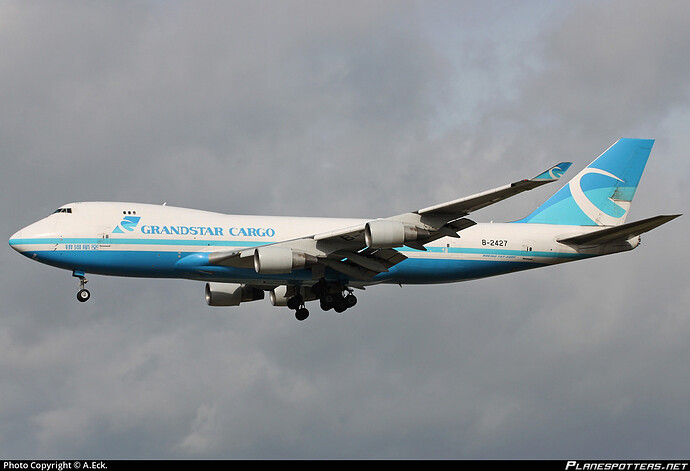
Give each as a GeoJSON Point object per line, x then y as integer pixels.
{"type": "Point", "coordinates": [63, 210]}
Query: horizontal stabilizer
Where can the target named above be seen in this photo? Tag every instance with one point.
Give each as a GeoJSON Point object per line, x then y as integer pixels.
{"type": "Point", "coordinates": [623, 232]}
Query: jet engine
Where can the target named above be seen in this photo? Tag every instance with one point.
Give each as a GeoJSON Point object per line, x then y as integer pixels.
{"type": "Point", "coordinates": [275, 260]}
{"type": "Point", "coordinates": [278, 296]}
{"type": "Point", "coordinates": [231, 294]}
{"type": "Point", "coordinates": [281, 295]}
{"type": "Point", "coordinates": [382, 234]}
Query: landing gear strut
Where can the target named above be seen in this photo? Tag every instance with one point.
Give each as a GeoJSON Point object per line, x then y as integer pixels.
{"type": "Point", "coordinates": [83, 294]}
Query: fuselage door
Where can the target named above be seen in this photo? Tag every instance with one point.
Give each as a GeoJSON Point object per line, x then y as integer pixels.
{"type": "Point", "coordinates": [528, 250]}
{"type": "Point", "coordinates": [104, 239]}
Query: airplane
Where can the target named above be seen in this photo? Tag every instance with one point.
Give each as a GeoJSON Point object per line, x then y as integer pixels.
{"type": "Point", "coordinates": [296, 260]}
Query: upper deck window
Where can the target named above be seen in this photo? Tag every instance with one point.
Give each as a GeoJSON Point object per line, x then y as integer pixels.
{"type": "Point", "coordinates": [63, 210]}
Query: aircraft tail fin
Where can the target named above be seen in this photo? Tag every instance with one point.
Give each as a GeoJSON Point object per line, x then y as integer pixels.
{"type": "Point", "coordinates": [601, 194]}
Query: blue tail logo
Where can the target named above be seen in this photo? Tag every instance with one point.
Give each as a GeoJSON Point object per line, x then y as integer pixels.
{"type": "Point", "coordinates": [605, 210]}
{"type": "Point", "coordinates": [128, 223]}
{"type": "Point", "coordinates": [558, 171]}
{"type": "Point", "coordinates": [601, 194]}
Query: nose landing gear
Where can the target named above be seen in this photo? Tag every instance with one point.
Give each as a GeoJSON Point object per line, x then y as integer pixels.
{"type": "Point", "coordinates": [83, 294]}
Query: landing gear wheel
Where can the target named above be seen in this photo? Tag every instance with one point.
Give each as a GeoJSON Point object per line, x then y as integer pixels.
{"type": "Point", "coordinates": [325, 305]}
{"type": "Point", "coordinates": [333, 295]}
{"type": "Point", "coordinates": [295, 302]}
{"type": "Point", "coordinates": [301, 313]}
{"type": "Point", "coordinates": [350, 300]}
{"type": "Point", "coordinates": [83, 295]}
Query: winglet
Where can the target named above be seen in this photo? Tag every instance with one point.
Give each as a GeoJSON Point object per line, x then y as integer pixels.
{"type": "Point", "coordinates": [554, 173]}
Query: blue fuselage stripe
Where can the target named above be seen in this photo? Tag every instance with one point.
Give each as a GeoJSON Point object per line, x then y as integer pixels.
{"type": "Point", "coordinates": [134, 241]}
{"type": "Point", "coordinates": [165, 244]}
{"type": "Point", "coordinates": [159, 258]}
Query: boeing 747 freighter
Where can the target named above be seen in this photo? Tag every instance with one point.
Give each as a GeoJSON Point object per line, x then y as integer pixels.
{"type": "Point", "coordinates": [298, 259]}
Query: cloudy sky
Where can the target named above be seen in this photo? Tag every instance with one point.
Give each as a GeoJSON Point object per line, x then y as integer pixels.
{"type": "Point", "coordinates": [352, 109]}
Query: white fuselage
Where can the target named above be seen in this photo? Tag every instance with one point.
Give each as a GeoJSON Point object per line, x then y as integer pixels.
{"type": "Point", "coordinates": [133, 239]}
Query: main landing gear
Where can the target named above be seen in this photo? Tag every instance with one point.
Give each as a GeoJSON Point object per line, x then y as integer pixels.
{"type": "Point", "coordinates": [83, 294]}
{"type": "Point", "coordinates": [297, 303]}
{"type": "Point", "coordinates": [334, 296]}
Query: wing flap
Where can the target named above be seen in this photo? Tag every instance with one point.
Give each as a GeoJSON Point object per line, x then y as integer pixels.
{"type": "Point", "coordinates": [368, 263]}
{"type": "Point", "coordinates": [353, 271]}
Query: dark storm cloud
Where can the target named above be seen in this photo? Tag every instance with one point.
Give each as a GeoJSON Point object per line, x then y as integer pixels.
{"type": "Point", "coordinates": [349, 110]}
{"type": "Point", "coordinates": [275, 92]}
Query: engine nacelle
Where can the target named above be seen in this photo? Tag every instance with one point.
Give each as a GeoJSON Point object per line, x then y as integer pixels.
{"type": "Point", "coordinates": [276, 260]}
{"type": "Point", "coordinates": [231, 294]}
{"type": "Point", "coordinates": [279, 296]}
{"type": "Point", "coordinates": [382, 234]}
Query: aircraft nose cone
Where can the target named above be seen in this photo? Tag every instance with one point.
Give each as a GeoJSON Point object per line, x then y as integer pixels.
{"type": "Point", "coordinates": [16, 241]}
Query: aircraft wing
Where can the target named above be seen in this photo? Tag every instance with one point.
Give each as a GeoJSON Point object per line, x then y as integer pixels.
{"type": "Point", "coordinates": [365, 250]}
{"type": "Point", "coordinates": [447, 219]}
{"type": "Point", "coordinates": [464, 206]}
